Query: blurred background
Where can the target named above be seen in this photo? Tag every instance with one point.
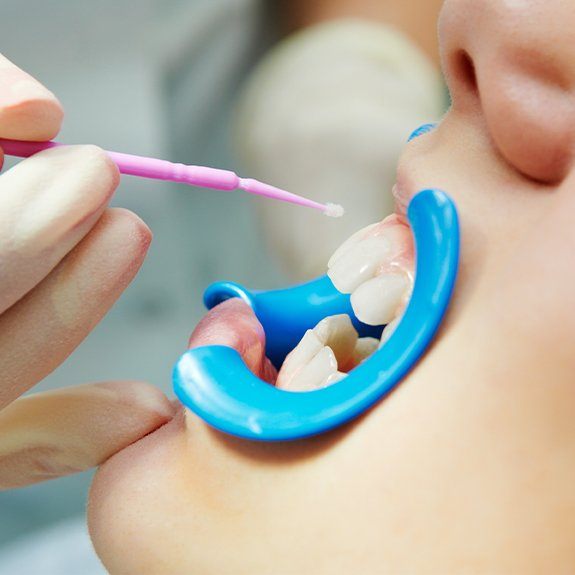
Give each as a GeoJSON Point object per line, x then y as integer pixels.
{"type": "Point", "coordinates": [163, 78]}
{"type": "Point", "coordinates": [136, 77]}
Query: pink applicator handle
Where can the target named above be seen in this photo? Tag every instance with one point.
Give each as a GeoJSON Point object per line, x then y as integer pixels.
{"type": "Point", "coordinates": [156, 169]}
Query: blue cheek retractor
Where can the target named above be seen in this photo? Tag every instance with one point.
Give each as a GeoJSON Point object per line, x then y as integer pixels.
{"type": "Point", "coordinates": [215, 383]}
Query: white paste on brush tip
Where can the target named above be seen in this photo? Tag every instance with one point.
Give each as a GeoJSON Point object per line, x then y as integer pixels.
{"type": "Point", "coordinates": [333, 210]}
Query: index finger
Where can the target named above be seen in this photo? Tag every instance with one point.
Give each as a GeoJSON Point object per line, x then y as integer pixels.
{"type": "Point", "coordinates": [28, 110]}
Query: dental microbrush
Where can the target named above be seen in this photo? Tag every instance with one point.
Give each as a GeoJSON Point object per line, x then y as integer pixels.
{"type": "Point", "coordinates": [206, 177]}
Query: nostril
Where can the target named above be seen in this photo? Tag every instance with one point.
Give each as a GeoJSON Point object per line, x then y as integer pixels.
{"type": "Point", "coordinates": [465, 70]}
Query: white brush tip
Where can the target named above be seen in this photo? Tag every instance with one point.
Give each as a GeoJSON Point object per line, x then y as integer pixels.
{"type": "Point", "coordinates": [333, 210]}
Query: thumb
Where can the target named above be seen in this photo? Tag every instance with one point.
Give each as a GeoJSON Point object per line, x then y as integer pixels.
{"type": "Point", "coordinates": [48, 435]}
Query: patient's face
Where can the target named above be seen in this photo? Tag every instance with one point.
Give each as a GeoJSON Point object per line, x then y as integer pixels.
{"type": "Point", "coordinates": [470, 464]}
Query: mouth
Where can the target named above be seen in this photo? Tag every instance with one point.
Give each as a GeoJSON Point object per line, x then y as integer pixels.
{"type": "Point", "coordinates": [376, 268]}
{"type": "Point", "coordinates": [215, 383]}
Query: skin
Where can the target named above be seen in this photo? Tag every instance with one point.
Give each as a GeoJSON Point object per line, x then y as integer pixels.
{"type": "Point", "coordinates": [64, 260]}
{"type": "Point", "coordinates": [469, 466]}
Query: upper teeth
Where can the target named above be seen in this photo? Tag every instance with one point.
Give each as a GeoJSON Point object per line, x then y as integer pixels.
{"type": "Point", "coordinates": [377, 301]}
{"type": "Point", "coordinates": [349, 243]}
{"type": "Point", "coordinates": [375, 266]}
{"type": "Point", "coordinates": [359, 263]}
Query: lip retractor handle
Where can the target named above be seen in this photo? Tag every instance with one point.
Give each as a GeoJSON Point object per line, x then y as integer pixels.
{"type": "Point", "coordinates": [215, 383]}
{"type": "Point", "coordinates": [286, 314]}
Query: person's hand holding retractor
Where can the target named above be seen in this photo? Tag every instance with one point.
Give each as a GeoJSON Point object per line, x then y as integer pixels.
{"type": "Point", "coordinates": [64, 259]}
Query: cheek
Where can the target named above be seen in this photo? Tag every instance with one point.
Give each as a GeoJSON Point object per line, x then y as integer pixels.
{"type": "Point", "coordinates": [530, 122]}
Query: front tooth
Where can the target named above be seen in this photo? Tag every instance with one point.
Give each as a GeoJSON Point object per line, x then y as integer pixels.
{"type": "Point", "coordinates": [349, 243]}
{"type": "Point", "coordinates": [314, 375]}
{"type": "Point", "coordinates": [338, 333]}
{"type": "Point", "coordinates": [376, 302]}
{"type": "Point", "coordinates": [359, 263]}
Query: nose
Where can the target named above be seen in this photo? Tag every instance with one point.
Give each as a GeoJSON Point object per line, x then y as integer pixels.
{"type": "Point", "coordinates": [509, 61]}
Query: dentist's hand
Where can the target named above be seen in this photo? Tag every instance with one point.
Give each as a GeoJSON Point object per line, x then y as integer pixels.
{"type": "Point", "coordinates": [64, 259]}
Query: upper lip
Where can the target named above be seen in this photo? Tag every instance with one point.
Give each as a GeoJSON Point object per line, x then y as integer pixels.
{"type": "Point", "coordinates": [402, 191]}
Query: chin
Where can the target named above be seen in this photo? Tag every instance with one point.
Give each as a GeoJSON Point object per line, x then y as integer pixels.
{"type": "Point", "coordinates": [187, 499]}
{"type": "Point", "coordinates": [131, 502]}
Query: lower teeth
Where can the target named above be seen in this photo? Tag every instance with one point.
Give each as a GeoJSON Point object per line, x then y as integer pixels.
{"type": "Point", "coordinates": [326, 353]}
